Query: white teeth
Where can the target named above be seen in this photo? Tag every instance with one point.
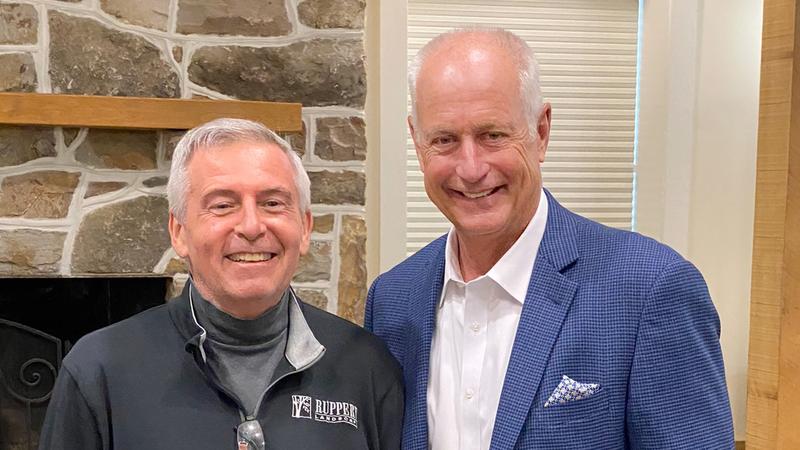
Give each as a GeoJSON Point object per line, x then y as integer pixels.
{"type": "Point", "coordinates": [477, 194]}
{"type": "Point", "coordinates": [250, 257]}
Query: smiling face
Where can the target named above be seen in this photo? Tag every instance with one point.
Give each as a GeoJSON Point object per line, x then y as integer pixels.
{"type": "Point", "coordinates": [244, 232]}
{"type": "Point", "coordinates": [480, 162]}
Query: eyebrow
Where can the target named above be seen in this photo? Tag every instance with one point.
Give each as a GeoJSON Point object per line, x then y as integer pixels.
{"type": "Point", "coordinates": [493, 125]}
{"type": "Point", "coordinates": [234, 194]}
{"type": "Point", "coordinates": [479, 127]}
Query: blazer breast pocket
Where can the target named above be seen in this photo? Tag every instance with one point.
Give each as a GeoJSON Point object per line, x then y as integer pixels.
{"type": "Point", "coordinates": [588, 409]}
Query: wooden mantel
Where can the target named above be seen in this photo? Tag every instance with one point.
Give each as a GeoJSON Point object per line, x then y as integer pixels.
{"type": "Point", "coordinates": [142, 113]}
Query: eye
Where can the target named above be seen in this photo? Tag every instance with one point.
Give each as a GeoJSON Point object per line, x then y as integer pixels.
{"type": "Point", "coordinates": [494, 135]}
{"type": "Point", "coordinates": [273, 204]}
{"type": "Point", "coordinates": [221, 208]}
{"type": "Point", "coordinates": [442, 140]}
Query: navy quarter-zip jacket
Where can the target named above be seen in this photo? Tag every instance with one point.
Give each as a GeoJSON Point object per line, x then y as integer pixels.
{"type": "Point", "coordinates": [142, 384]}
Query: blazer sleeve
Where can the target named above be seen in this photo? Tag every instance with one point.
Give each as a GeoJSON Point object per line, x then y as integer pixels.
{"type": "Point", "coordinates": [677, 397]}
{"type": "Point", "coordinates": [368, 309]}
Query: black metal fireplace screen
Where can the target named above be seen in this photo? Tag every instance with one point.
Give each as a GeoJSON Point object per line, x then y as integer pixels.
{"type": "Point", "coordinates": [40, 320]}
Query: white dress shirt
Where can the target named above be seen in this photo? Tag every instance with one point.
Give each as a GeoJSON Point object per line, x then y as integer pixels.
{"type": "Point", "coordinates": [475, 328]}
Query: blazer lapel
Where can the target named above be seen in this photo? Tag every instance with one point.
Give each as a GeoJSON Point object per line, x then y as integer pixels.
{"type": "Point", "coordinates": [546, 305]}
{"type": "Point", "coordinates": [424, 297]}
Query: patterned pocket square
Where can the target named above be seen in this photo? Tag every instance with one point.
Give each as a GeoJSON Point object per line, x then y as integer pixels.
{"type": "Point", "coordinates": [569, 390]}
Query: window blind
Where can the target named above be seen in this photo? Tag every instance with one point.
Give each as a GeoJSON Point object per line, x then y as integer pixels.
{"type": "Point", "coordinates": [587, 56]}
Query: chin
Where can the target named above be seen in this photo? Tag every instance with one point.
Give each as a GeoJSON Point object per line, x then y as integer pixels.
{"type": "Point", "coordinates": [479, 227]}
{"type": "Point", "coordinates": [254, 295]}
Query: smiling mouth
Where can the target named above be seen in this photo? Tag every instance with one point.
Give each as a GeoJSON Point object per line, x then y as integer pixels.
{"type": "Point", "coordinates": [251, 257]}
{"type": "Point", "coordinates": [481, 194]}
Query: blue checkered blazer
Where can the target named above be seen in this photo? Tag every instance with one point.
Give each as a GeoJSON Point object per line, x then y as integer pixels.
{"type": "Point", "coordinates": [603, 306]}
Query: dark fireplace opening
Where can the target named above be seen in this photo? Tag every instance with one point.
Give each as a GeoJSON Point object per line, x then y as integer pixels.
{"type": "Point", "coordinates": [40, 320]}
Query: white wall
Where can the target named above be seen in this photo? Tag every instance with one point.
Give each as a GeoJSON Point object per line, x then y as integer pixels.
{"type": "Point", "coordinates": [697, 149]}
{"type": "Point", "coordinates": [386, 134]}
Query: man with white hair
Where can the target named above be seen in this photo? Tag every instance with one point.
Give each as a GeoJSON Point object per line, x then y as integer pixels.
{"type": "Point", "coordinates": [527, 326]}
{"type": "Point", "coordinates": [237, 361]}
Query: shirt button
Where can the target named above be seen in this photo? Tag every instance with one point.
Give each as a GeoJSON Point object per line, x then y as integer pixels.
{"type": "Point", "coordinates": [475, 327]}
{"type": "Point", "coordinates": [469, 394]}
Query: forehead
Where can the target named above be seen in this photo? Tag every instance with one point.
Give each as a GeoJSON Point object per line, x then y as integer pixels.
{"type": "Point", "coordinates": [245, 164]}
{"type": "Point", "coordinates": [476, 82]}
{"type": "Point", "coordinates": [475, 58]}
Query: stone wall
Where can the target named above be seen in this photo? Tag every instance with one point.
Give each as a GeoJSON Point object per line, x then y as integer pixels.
{"type": "Point", "coordinates": [92, 202]}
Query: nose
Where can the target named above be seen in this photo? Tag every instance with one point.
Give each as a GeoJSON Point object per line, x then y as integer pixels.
{"type": "Point", "coordinates": [250, 226]}
{"type": "Point", "coordinates": [471, 165]}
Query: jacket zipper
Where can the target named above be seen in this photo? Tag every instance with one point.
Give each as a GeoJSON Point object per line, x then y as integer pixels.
{"type": "Point", "coordinates": [224, 390]}
{"type": "Point", "coordinates": [274, 382]}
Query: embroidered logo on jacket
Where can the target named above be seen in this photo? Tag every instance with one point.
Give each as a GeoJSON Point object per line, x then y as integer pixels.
{"type": "Point", "coordinates": [324, 410]}
{"type": "Point", "coordinates": [301, 406]}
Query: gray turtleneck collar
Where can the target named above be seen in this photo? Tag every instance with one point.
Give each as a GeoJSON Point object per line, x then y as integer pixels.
{"type": "Point", "coordinates": [226, 329]}
{"type": "Point", "coordinates": [243, 354]}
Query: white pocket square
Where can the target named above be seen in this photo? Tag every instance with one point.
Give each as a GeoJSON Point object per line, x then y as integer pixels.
{"type": "Point", "coordinates": [569, 390]}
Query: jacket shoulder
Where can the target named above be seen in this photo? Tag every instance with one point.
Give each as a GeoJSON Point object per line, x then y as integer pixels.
{"type": "Point", "coordinates": [619, 261]}
{"type": "Point", "coordinates": [622, 249]}
{"type": "Point", "coordinates": [344, 339]}
{"type": "Point", "coordinates": [414, 266]}
{"type": "Point", "coordinates": [113, 345]}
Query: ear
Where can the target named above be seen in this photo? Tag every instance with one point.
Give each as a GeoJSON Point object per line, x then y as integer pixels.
{"type": "Point", "coordinates": [416, 144]}
{"type": "Point", "coordinates": [177, 236]}
{"type": "Point", "coordinates": [308, 225]}
{"type": "Point", "coordinates": [543, 130]}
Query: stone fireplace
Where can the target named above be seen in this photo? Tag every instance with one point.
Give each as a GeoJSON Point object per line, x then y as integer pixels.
{"type": "Point", "coordinates": [85, 210]}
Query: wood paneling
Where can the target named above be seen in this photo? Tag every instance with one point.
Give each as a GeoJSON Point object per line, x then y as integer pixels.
{"type": "Point", "coordinates": [133, 112]}
{"type": "Point", "coordinates": [773, 400]}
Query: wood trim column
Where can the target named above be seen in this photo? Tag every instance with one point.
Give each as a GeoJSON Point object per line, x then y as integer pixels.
{"type": "Point", "coordinates": [773, 393]}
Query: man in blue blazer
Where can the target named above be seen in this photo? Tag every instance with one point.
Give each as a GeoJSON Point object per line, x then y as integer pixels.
{"type": "Point", "coordinates": [527, 326]}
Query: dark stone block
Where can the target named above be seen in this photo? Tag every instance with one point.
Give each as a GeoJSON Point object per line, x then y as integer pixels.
{"type": "Point", "coordinates": [323, 224]}
{"type": "Point", "coordinates": [352, 269]}
{"type": "Point", "coordinates": [96, 188]}
{"type": "Point", "coordinates": [19, 145]}
{"type": "Point", "coordinates": [124, 237]}
{"type": "Point", "coordinates": [45, 194]}
{"type": "Point", "coordinates": [316, 264]}
{"type": "Point", "coordinates": [18, 24]}
{"type": "Point", "coordinates": [337, 188]}
{"type": "Point", "coordinates": [119, 149]}
{"type": "Point", "coordinates": [319, 72]}
{"type": "Point", "coordinates": [30, 252]}
{"type": "Point", "coordinates": [88, 58]}
{"type": "Point", "coordinates": [155, 181]}
{"type": "Point", "coordinates": [332, 14]}
{"type": "Point", "coordinates": [316, 297]}
{"type": "Point", "coordinates": [146, 13]}
{"type": "Point", "coordinates": [17, 73]}
{"type": "Point", "coordinates": [341, 139]}
{"type": "Point", "coordinates": [234, 17]}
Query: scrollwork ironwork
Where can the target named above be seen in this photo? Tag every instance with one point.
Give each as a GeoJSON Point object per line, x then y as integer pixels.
{"type": "Point", "coordinates": [36, 379]}
{"type": "Point", "coordinates": [32, 371]}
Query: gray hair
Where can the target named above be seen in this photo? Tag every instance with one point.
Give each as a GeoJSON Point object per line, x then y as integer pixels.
{"type": "Point", "coordinates": [220, 132]}
{"type": "Point", "coordinates": [527, 67]}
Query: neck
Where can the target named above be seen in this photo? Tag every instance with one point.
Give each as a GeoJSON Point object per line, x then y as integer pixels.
{"type": "Point", "coordinates": [478, 254]}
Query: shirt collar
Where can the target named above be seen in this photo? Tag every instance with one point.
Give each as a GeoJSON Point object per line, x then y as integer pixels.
{"type": "Point", "coordinates": [513, 271]}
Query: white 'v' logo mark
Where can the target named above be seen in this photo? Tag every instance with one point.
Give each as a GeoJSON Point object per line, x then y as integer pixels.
{"type": "Point", "coordinates": [301, 406]}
